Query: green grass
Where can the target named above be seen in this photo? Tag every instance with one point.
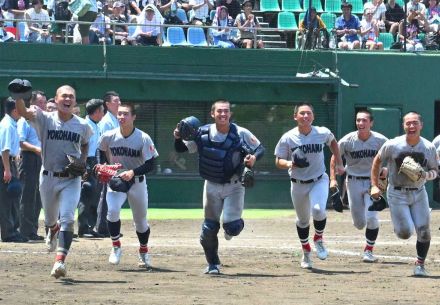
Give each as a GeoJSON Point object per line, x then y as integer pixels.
{"type": "Point", "coordinates": [158, 214]}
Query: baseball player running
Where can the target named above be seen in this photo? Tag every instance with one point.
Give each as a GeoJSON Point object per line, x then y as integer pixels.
{"type": "Point", "coordinates": [359, 148]}
{"type": "Point", "coordinates": [62, 134]}
{"type": "Point", "coordinates": [135, 151]}
{"type": "Point", "coordinates": [301, 151]}
{"type": "Point", "coordinates": [221, 157]}
{"type": "Point", "coordinates": [406, 194]}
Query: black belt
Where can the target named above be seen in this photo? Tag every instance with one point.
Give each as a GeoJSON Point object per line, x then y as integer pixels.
{"type": "Point", "coordinates": [305, 181]}
{"type": "Point", "coordinates": [140, 178]}
{"type": "Point", "coordinates": [357, 178]}
{"type": "Point", "coordinates": [401, 188]}
{"type": "Point", "coordinates": [55, 174]}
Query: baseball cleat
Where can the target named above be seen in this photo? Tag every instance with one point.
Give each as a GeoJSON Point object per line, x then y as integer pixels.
{"type": "Point", "coordinates": [212, 269]}
{"type": "Point", "coordinates": [58, 270]}
{"type": "Point", "coordinates": [52, 239]}
{"type": "Point", "coordinates": [306, 261]}
{"type": "Point", "coordinates": [369, 257]}
{"type": "Point", "coordinates": [144, 260]}
{"type": "Point", "coordinates": [115, 256]}
{"type": "Point", "coordinates": [419, 270]}
{"type": "Point", "coordinates": [321, 251]}
{"type": "Point", "coordinates": [228, 237]}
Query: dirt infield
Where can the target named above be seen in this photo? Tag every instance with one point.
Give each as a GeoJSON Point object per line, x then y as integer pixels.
{"type": "Point", "coordinates": [261, 266]}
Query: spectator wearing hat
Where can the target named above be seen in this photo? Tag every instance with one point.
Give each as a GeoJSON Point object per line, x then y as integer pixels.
{"type": "Point", "coordinates": [29, 171]}
{"type": "Point", "coordinates": [348, 27]}
{"type": "Point", "coordinates": [248, 24]}
{"type": "Point", "coordinates": [120, 30]}
{"type": "Point", "coordinates": [38, 23]}
{"type": "Point", "coordinates": [221, 31]}
{"type": "Point", "coordinates": [310, 28]}
{"type": "Point", "coordinates": [201, 10]}
{"type": "Point", "coordinates": [147, 32]}
{"type": "Point", "coordinates": [10, 189]}
{"type": "Point", "coordinates": [90, 188]}
{"type": "Point", "coordinates": [99, 30]}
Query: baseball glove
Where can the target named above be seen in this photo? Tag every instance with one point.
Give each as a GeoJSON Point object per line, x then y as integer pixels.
{"type": "Point", "coordinates": [76, 167]}
{"type": "Point", "coordinates": [188, 128]}
{"type": "Point", "coordinates": [299, 159]}
{"type": "Point", "coordinates": [117, 184]}
{"type": "Point", "coordinates": [104, 172]}
{"type": "Point", "coordinates": [20, 88]}
{"type": "Point", "coordinates": [336, 200]}
{"type": "Point", "coordinates": [247, 177]}
{"type": "Point", "coordinates": [378, 204]}
{"type": "Point", "coordinates": [412, 169]}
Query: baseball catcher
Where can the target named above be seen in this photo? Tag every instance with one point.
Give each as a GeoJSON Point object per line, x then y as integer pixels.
{"type": "Point", "coordinates": [188, 128]}
{"type": "Point", "coordinates": [76, 166]}
{"type": "Point", "coordinates": [20, 89]}
{"type": "Point", "coordinates": [412, 169]}
{"type": "Point", "coordinates": [336, 200]}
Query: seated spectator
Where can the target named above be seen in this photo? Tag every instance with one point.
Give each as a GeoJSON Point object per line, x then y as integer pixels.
{"type": "Point", "coordinates": [168, 9]}
{"type": "Point", "coordinates": [347, 28]}
{"type": "Point", "coordinates": [433, 15]}
{"type": "Point", "coordinates": [370, 32]}
{"type": "Point", "coordinates": [233, 7]}
{"type": "Point", "coordinates": [415, 5]}
{"type": "Point", "coordinates": [201, 10]}
{"type": "Point", "coordinates": [38, 23]}
{"type": "Point", "coordinates": [413, 42]}
{"type": "Point", "coordinates": [378, 8]}
{"type": "Point", "coordinates": [148, 29]}
{"type": "Point", "coordinates": [221, 30]}
{"type": "Point", "coordinates": [5, 36]}
{"type": "Point", "coordinates": [393, 16]}
{"type": "Point", "coordinates": [118, 29]}
{"type": "Point", "coordinates": [248, 24]}
{"type": "Point", "coordinates": [14, 9]}
{"type": "Point", "coordinates": [100, 29]}
{"type": "Point", "coordinates": [310, 29]}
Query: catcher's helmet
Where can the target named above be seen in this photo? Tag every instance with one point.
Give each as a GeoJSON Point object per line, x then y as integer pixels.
{"type": "Point", "coordinates": [189, 127]}
{"type": "Point", "coordinates": [20, 88]}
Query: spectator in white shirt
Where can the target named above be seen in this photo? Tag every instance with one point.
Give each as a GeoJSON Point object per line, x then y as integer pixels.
{"type": "Point", "coordinates": [148, 31]}
{"type": "Point", "coordinates": [38, 23]}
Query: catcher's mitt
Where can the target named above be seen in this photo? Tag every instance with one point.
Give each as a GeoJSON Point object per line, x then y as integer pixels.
{"type": "Point", "coordinates": [336, 200]}
{"type": "Point", "coordinates": [299, 159]}
{"type": "Point", "coordinates": [378, 204]}
{"type": "Point", "coordinates": [188, 128]}
{"type": "Point", "coordinates": [20, 88]}
{"type": "Point", "coordinates": [247, 177]}
{"type": "Point", "coordinates": [412, 169]}
{"type": "Point", "coordinates": [76, 167]}
{"type": "Point", "coordinates": [104, 172]}
{"type": "Point", "coordinates": [117, 184]}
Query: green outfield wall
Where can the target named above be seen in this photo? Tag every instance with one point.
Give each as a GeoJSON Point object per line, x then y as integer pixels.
{"type": "Point", "coordinates": [171, 83]}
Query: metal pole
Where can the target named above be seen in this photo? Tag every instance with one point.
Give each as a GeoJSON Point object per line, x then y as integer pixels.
{"type": "Point", "coordinates": [405, 25]}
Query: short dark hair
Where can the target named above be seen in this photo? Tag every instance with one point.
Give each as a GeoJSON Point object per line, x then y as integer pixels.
{"type": "Point", "coordinates": [108, 97]}
{"type": "Point", "coordinates": [35, 93]}
{"type": "Point", "coordinates": [367, 112]}
{"type": "Point", "coordinates": [9, 105]}
{"type": "Point", "coordinates": [295, 110]}
{"type": "Point", "coordinates": [93, 104]}
{"type": "Point", "coordinates": [220, 101]}
{"type": "Point", "coordinates": [413, 112]}
{"type": "Point", "coordinates": [131, 106]}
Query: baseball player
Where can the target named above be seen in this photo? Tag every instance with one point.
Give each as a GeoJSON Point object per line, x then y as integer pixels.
{"type": "Point", "coordinates": [301, 151]}
{"type": "Point", "coordinates": [221, 157]}
{"type": "Point", "coordinates": [359, 148]}
{"type": "Point", "coordinates": [436, 141]}
{"type": "Point", "coordinates": [407, 197]}
{"type": "Point", "coordinates": [135, 151]}
{"type": "Point", "coordinates": [29, 171]}
{"type": "Point", "coordinates": [108, 122]}
{"type": "Point", "coordinates": [90, 189]}
{"type": "Point", "coordinates": [61, 134]}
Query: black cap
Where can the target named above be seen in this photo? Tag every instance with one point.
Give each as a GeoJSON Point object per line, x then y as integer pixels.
{"type": "Point", "coordinates": [246, 1]}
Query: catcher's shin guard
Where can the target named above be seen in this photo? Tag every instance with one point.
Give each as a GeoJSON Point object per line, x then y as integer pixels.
{"type": "Point", "coordinates": [209, 241]}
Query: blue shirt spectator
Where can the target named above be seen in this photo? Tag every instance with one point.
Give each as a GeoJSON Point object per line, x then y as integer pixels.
{"type": "Point", "coordinates": [352, 23]}
{"type": "Point", "coordinates": [9, 136]}
{"type": "Point", "coordinates": [27, 133]}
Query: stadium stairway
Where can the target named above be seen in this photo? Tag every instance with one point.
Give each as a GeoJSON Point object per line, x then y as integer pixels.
{"type": "Point", "coordinates": [272, 39]}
